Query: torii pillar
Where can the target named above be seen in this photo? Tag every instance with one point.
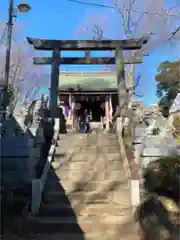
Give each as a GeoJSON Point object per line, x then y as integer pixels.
{"type": "Point", "coordinates": [54, 83]}
{"type": "Point", "coordinates": [85, 45]}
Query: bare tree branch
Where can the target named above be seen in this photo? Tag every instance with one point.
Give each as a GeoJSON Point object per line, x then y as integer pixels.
{"type": "Point", "coordinates": [163, 13]}
{"type": "Point", "coordinates": [174, 33]}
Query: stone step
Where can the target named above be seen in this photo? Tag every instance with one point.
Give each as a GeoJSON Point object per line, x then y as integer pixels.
{"type": "Point", "coordinates": [85, 224]}
{"type": "Point", "coordinates": [84, 209]}
{"type": "Point", "coordinates": [73, 175]}
{"type": "Point", "coordinates": [88, 236]}
{"type": "Point", "coordinates": [102, 195]}
{"type": "Point", "coordinates": [89, 165]}
{"type": "Point", "coordinates": [54, 225]}
{"type": "Point", "coordinates": [75, 199]}
{"type": "Point", "coordinates": [85, 185]}
{"type": "Point", "coordinates": [94, 149]}
{"type": "Point", "coordinates": [68, 138]}
{"type": "Point", "coordinates": [69, 149]}
{"type": "Point", "coordinates": [69, 236]}
{"type": "Point", "coordinates": [87, 157]}
{"type": "Point", "coordinates": [107, 142]}
{"type": "Point", "coordinates": [54, 210]}
{"type": "Point", "coordinates": [82, 197]}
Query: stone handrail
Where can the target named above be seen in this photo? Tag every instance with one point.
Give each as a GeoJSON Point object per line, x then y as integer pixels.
{"type": "Point", "coordinates": [39, 183]}
{"type": "Point", "coordinates": [130, 169]}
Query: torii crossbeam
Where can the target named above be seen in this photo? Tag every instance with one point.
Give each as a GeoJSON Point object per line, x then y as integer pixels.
{"type": "Point", "coordinates": [56, 46]}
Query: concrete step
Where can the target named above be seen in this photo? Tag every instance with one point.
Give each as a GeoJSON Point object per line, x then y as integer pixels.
{"type": "Point", "coordinates": [78, 148]}
{"type": "Point", "coordinates": [95, 149]}
{"type": "Point", "coordinates": [88, 236]}
{"type": "Point", "coordinates": [108, 140]}
{"type": "Point", "coordinates": [55, 210]}
{"type": "Point", "coordinates": [69, 148]}
{"type": "Point", "coordinates": [85, 209]}
{"type": "Point", "coordinates": [83, 224]}
{"type": "Point", "coordinates": [73, 175]}
{"type": "Point", "coordinates": [68, 236]}
{"type": "Point", "coordinates": [54, 225]}
{"type": "Point", "coordinates": [77, 200]}
{"type": "Point", "coordinates": [100, 196]}
{"type": "Point", "coordinates": [81, 185]}
{"type": "Point", "coordinates": [85, 156]}
{"type": "Point", "coordinates": [103, 163]}
{"type": "Point", "coordinates": [91, 161]}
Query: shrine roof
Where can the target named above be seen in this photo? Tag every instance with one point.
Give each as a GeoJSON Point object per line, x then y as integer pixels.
{"type": "Point", "coordinates": [87, 81]}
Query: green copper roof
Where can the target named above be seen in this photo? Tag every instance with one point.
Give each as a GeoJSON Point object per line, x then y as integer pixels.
{"type": "Point", "coordinates": [89, 81]}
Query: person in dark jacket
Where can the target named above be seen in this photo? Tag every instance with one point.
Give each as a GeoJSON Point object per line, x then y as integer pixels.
{"type": "Point", "coordinates": [62, 121]}
{"type": "Point", "coordinates": [84, 122]}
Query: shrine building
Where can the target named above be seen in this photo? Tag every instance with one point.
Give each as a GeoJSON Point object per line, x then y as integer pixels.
{"type": "Point", "coordinates": [94, 91]}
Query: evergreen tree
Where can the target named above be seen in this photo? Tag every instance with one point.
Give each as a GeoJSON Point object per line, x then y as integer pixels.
{"type": "Point", "coordinates": [168, 84]}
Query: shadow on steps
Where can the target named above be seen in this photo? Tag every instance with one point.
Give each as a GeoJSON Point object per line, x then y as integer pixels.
{"type": "Point", "coordinates": [56, 216]}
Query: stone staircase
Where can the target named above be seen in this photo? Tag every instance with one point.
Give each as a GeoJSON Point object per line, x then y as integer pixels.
{"type": "Point", "coordinates": [86, 195]}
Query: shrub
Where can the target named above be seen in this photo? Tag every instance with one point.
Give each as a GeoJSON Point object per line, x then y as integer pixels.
{"type": "Point", "coordinates": [176, 125]}
{"type": "Point", "coordinates": [155, 131]}
{"type": "Point", "coordinates": [176, 122]}
{"type": "Point", "coordinates": [163, 175]}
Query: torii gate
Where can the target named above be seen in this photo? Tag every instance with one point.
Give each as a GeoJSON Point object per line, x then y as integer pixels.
{"type": "Point", "coordinates": [56, 46]}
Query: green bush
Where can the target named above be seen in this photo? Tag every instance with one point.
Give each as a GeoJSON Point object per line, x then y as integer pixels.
{"type": "Point", "coordinates": [163, 175]}
{"type": "Point", "coordinates": [176, 125]}
{"type": "Point", "coordinates": [155, 131]}
{"type": "Point", "coordinates": [176, 122]}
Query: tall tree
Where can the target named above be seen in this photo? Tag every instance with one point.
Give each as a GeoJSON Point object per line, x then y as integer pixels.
{"type": "Point", "coordinates": [168, 84]}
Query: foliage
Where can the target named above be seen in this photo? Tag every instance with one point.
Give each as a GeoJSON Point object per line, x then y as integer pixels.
{"type": "Point", "coordinates": [162, 175]}
{"type": "Point", "coordinates": [176, 125]}
{"type": "Point", "coordinates": [167, 78]}
{"type": "Point", "coordinates": [155, 131]}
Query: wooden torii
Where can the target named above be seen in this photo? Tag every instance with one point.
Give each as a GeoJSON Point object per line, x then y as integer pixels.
{"type": "Point", "coordinates": [56, 46]}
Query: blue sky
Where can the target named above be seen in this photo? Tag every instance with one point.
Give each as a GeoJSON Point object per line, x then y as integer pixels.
{"type": "Point", "coordinates": [58, 19]}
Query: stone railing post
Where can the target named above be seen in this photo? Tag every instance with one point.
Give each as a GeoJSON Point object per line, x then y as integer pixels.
{"type": "Point", "coordinates": [137, 149]}
{"type": "Point", "coordinates": [132, 176]}
{"type": "Point", "coordinates": [119, 126]}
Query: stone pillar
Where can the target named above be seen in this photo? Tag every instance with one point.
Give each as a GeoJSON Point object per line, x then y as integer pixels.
{"type": "Point", "coordinates": [121, 82]}
{"type": "Point", "coordinates": [54, 83]}
{"type": "Point", "coordinates": [107, 112]}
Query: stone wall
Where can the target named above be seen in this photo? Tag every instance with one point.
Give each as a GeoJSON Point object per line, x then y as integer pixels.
{"type": "Point", "coordinates": [21, 148]}
{"type": "Point", "coordinates": [148, 148]}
